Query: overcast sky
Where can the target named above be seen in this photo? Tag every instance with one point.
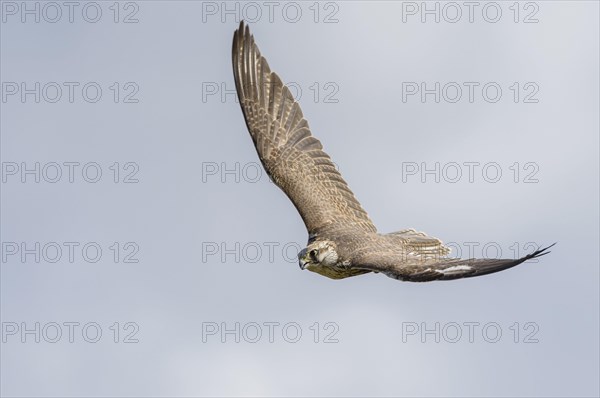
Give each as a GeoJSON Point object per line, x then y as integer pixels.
{"type": "Point", "coordinates": [146, 251]}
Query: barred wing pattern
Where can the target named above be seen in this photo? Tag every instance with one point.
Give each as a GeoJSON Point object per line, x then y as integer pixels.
{"type": "Point", "coordinates": [292, 157]}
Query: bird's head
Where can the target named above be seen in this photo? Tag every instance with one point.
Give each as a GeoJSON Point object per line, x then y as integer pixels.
{"type": "Point", "coordinates": [318, 254]}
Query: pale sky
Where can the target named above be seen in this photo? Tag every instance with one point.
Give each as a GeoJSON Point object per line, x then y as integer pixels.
{"type": "Point", "coordinates": [153, 224]}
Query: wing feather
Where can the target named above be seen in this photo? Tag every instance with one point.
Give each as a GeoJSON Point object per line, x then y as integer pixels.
{"type": "Point", "coordinates": [420, 243]}
{"type": "Point", "coordinates": [291, 155]}
{"type": "Point", "coordinates": [408, 267]}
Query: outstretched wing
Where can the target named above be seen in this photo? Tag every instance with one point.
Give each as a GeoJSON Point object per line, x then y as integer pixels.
{"type": "Point", "coordinates": [292, 157]}
{"type": "Point", "coordinates": [411, 267]}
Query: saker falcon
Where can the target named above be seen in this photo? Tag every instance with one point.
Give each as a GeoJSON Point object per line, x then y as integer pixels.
{"type": "Point", "coordinates": [343, 241]}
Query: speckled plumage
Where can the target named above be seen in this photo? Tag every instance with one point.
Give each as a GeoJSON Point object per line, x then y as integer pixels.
{"type": "Point", "coordinates": [343, 241]}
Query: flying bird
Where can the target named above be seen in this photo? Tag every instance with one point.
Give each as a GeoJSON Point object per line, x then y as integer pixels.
{"type": "Point", "coordinates": [342, 240]}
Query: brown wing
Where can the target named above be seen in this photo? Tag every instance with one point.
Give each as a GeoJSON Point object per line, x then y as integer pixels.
{"type": "Point", "coordinates": [411, 267]}
{"type": "Point", "coordinates": [292, 157]}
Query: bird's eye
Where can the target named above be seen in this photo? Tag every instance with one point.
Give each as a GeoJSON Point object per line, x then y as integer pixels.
{"type": "Point", "coordinates": [313, 255]}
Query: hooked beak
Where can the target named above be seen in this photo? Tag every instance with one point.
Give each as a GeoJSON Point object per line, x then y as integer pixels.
{"type": "Point", "coordinates": [302, 262]}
